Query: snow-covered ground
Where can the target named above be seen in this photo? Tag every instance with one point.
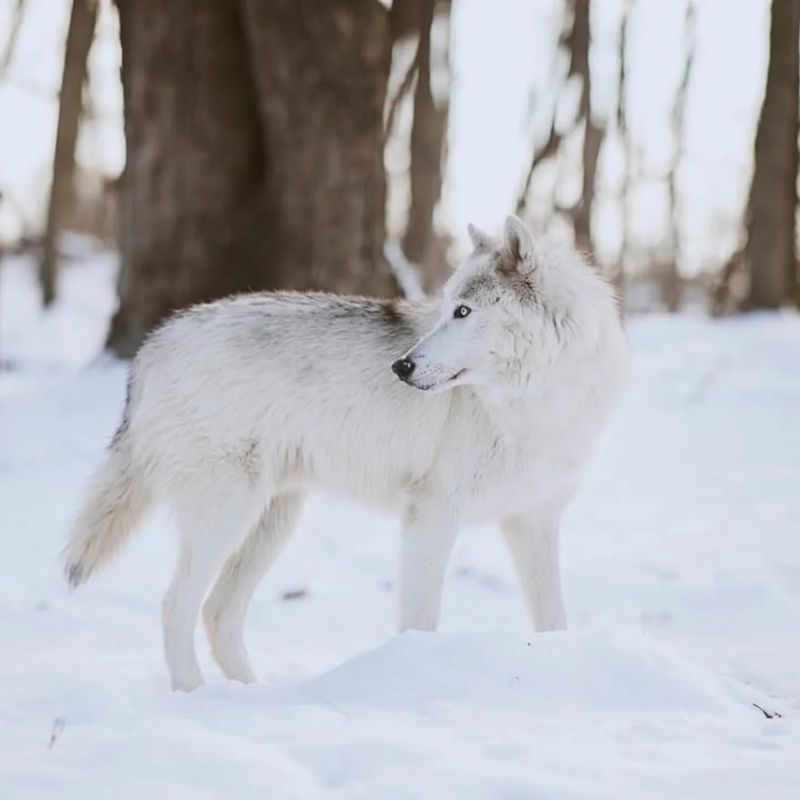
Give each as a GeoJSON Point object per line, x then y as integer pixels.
{"type": "Point", "coordinates": [682, 562]}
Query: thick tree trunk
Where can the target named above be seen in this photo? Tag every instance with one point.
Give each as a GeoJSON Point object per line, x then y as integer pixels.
{"type": "Point", "coordinates": [79, 41]}
{"type": "Point", "coordinates": [193, 221]}
{"type": "Point", "coordinates": [770, 250]}
{"type": "Point", "coordinates": [321, 73]}
{"type": "Point", "coordinates": [254, 136]}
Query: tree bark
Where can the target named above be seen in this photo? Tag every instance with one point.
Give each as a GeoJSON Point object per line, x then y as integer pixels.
{"type": "Point", "coordinates": [70, 107]}
{"type": "Point", "coordinates": [770, 249]}
{"type": "Point", "coordinates": [321, 73]}
{"type": "Point", "coordinates": [254, 133]}
{"type": "Point", "coordinates": [193, 225]}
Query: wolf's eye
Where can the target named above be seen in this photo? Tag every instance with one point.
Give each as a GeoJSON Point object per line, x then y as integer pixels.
{"type": "Point", "coordinates": [461, 312]}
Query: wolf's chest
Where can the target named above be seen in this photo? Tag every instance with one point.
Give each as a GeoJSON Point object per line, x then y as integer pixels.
{"type": "Point", "coordinates": [508, 477]}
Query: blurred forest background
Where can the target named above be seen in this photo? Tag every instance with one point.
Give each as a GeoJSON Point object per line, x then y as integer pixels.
{"type": "Point", "coordinates": [223, 146]}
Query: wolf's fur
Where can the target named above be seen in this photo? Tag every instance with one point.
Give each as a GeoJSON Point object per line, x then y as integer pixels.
{"type": "Point", "coordinates": [237, 408]}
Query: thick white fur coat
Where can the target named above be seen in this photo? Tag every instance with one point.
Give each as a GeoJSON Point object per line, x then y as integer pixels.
{"type": "Point", "coordinates": [237, 408]}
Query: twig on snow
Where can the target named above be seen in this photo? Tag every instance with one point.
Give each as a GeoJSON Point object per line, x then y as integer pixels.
{"type": "Point", "coordinates": [767, 714]}
{"type": "Point", "coordinates": [56, 731]}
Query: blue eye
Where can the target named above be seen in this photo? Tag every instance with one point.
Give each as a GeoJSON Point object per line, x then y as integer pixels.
{"type": "Point", "coordinates": [461, 312]}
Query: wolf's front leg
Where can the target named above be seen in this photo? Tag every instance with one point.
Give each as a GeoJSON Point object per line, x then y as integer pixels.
{"type": "Point", "coordinates": [429, 532]}
{"type": "Point", "coordinates": [533, 543]}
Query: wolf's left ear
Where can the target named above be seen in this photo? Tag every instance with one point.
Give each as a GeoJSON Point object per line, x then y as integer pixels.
{"type": "Point", "coordinates": [518, 251]}
{"type": "Point", "coordinates": [481, 241]}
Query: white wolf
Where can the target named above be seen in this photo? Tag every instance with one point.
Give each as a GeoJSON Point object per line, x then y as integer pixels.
{"type": "Point", "coordinates": [236, 408]}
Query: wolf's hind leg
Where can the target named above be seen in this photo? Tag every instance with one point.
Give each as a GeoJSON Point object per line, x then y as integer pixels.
{"type": "Point", "coordinates": [225, 610]}
{"type": "Point", "coordinates": [534, 547]}
{"type": "Point", "coordinates": [211, 525]}
{"type": "Point", "coordinates": [429, 533]}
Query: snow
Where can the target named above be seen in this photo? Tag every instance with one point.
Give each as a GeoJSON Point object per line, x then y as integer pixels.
{"type": "Point", "coordinates": [682, 578]}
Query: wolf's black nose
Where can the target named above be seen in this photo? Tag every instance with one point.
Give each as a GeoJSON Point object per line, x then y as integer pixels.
{"type": "Point", "coordinates": [403, 368]}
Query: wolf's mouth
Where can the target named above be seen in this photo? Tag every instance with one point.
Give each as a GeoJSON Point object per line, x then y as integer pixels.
{"type": "Point", "coordinates": [426, 387]}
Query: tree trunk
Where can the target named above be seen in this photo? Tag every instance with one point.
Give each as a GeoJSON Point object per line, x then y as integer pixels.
{"type": "Point", "coordinates": [420, 242]}
{"type": "Point", "coordinates": [619, 274]}
{"type": "Point", "coordinates": [773, 194]}
{"type": "Point", "coordinates": [79, 41]}
{"type": "Point", "coordinates": [670, 278]}
{"type": "Point", "coordinates": [592, 133]}
{"type": "Point", "coordinates": [192, 202]}
{"type": "Point", "coordinates": [254, 138]}
{"type": "Point", "coordinates": [321, 72]}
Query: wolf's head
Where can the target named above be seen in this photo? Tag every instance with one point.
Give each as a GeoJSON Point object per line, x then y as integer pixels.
{"type": "Point", "coordinates": [507, 313]}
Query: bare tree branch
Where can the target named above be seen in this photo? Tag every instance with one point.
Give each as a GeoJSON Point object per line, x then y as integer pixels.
{"type": "Point", "coordinates": [402, 91]}
{"type": "Point", "coordinates": [554, 138]}
{"type": "Point", "coordinates": [13, 35]}
{"type": "Point", "coordinates": [550, 149]}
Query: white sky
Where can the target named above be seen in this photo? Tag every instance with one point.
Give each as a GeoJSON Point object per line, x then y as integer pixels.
{"type": "Point", "coordinates": [502, 59]}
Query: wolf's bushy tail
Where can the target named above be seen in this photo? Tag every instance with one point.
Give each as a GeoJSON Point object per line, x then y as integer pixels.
{"type": "Point", "coordinates": [117, 499]}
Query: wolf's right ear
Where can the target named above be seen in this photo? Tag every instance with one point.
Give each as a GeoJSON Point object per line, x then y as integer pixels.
{"type": "Point", "coordinates": [518, 250]}
{"type": "Point", "coordinates": [481, 241]}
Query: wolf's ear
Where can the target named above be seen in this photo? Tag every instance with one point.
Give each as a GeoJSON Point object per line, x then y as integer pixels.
{"type": "Point", "coordinates": [480, 240]}
{"type": "Point", "coordinates": [518, 252]}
